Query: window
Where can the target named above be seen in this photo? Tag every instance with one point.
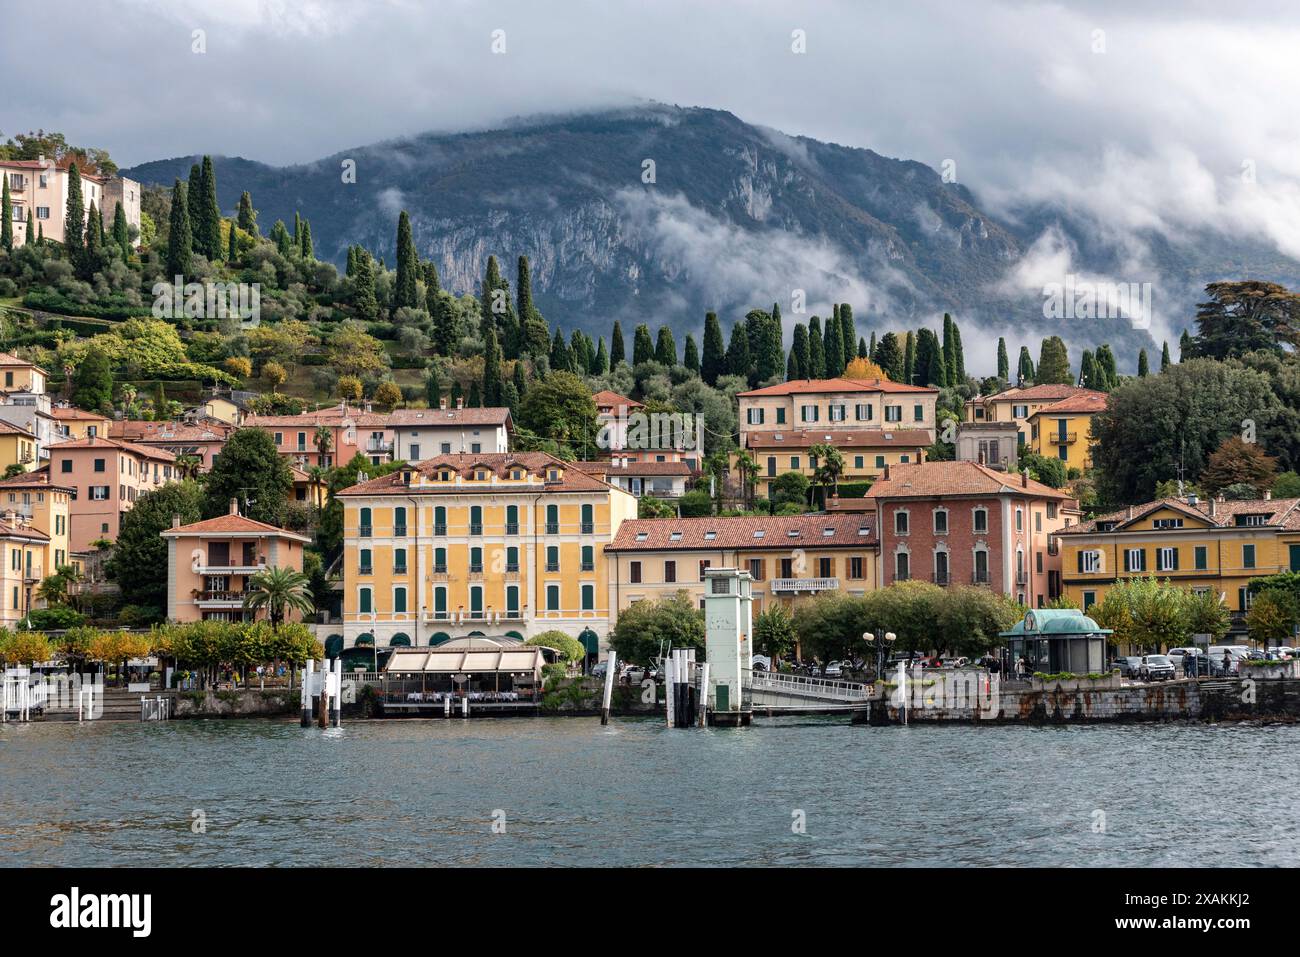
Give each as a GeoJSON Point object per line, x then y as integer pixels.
{"type": "Point", "coordinates": [941, 521]}
{"type": "Point", "coordinates": [42, 212]}
{"type": "Point", "coordinates": [1038, 521]}
{"type": "Point", "coordinates": [99, 493]}
{"type": "Point", "coordinates": [670, 571]}
{"type": "Point", "coordinates": [476, 520]}
{"type": "Point", "coordinates": [855, 567]}
{"type": "Point", "coordinates": [552, 558]}
{"type": "Point", "coordinates": [1200, 557]}
{"type": "Point", "coordinates": [1250, 521]}
{"type": "Point", "coordinates": [756, 569]}
{"type": "Point", "coordinates": [414, 452]}
{"type": "Point", "coordinates": [918, 413]}
{"type": "Point", "coordinates": [981, 521]}
{"type": "Point", "coordinates": [836, 413]}
{"type": "Point", "coordinates": [399, 521]}
{"type": "Point", "coordinates": [900, 523]}
{"type": "Point", "coordinates": [512, 519]}
{"type": "Point", "coordinates": [857, 462]}
{"type": "Point", "coordinates": [364, 526]}
{"type": "Point", "coordinates": [512, 601]}
{"type": "Point", "coordinates": [1135, 560]}
{"type": "Point", "coordinates": [1020, 412]}
{"type": "Point", "coordinates": [1247, 556]}
{"type": "Point", "coordinates": [808, 413]}
{"type": "Point", "coordinates": [981, 576]}
{"type": "Point", "coordinates": [771, 466]}
{"type": "Point", "coordinates": [787, 568]}
{"type": "Point", "coordinates": [99, 463]}
{"type": "Point", "coordinates": [902, 567]}
{"type": "Point", "coordinates": [754, 416]}
{"type": "Point", "coordinates": [512, 558]}
{"type": "Point", "coordinates": [552, 597]}
{"type": "Point", "coordinates": [1167, 523]}
{"type": "Point", "coordinates": [863, 412]}
{"type": "Point", "coordinates": [1089, 599]}
{"type": "Point", "coordinates": [1167, 559]}
{"type": "Point", "coordinates": [399, 599]}
{"type": "Point", "coordinates": [399, 561]}
{"type": "Point", "coordinates": [440, 561]}
{"type": "Point", "coordinates": [588, 597]}
{"type": "Point", "coordinates": [476, 601]}
{"type": "Point", "coordinates": [780, 416]}
{"type": "Point", "coordinates": [552, 520]}
{"type": "Point", "coordinates": [941, 567]}
{"type": "Point", "coordinates": [880, 461]}
{"type": "Point", "coordinates": [364, 564]}
{"type": "Point", "coordinates": [794, 463]}
{"type": "Point", "coordinates": [893, 413]}
{"type": "Point", "coordinates": [1089, 562]}
{"type": "Point", "coordinates": [634, 572]}
{"type": "Point", "coordinates": [588, 520]}
{"type": "Point", "coordinates": [445, 448]}
{"type": "Point", "coordinates": [1020, 519]}
{"type": "Point", "coordinates": [476, 560]}
{"type": "Point", "coordinates": [364, 603]}
{"type": "Point", "coordinates": [65, 465]}
{"type": "Point", "coordinates": [825, 568]}
{"type": "Point", "coordinates": [440, 520]}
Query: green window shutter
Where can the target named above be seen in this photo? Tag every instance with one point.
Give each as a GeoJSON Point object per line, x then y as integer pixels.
{"type": "Point", "coordinates": [399, 599]}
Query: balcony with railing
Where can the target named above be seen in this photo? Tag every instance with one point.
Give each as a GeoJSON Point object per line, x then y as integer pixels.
{"type": "Point", "coordinates": [794, 585]}
{"type": "Point", "coordinates": [979, 577]}
{"type": "Point", "coordinates": [225, 598]}
{"type": "Point", "coordinates": [1062, 438]}
{"type": "Point", "coordinates": [379, 446]}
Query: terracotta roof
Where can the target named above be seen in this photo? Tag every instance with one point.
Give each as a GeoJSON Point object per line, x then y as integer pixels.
{"type": "Point", "coordinates": [1280, 512]}
{"type": "Point", "coordinates": [636, 468]}
{"type": "Point", "coordinates": [72, 413]}
{"type": "Point", "coordinates": [405, 418]}
{"type": "Point", "coordinates": [862, 438]}
{"type": "Point", "coordinates": [236, 524]}
{"type": "Point", "coordinates": [606, 399]}
{"type": "Point", "coordinates": [1047, 392]}
{"type": "Point", "coordinates": [8, 428]}
{"type": "Point", "coordinates": [777, 532]}
{"type": "Point", "coordinates": [131, 430]}
{"type": "Point", "coordinates": [17, 529]}
{"type": "Point", "coordinates": [328, 417]}
{"type": "Point", "coordinates": [36, 478]}
{"type": "Point", "coordinates": [839, 384]}
{"type": "Point", "coordinates": [1087, 403]}
{"type": "Point", "coordinates": [97, 442]}
{"type": "Point", "coordinates": [574, 478]}
{"type": "Point", "coordinates": [929, 479]}
{"type": "Point", "coordinates": [9, 359]}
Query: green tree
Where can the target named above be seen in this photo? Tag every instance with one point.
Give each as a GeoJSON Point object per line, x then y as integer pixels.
{"type": "Point", "coordinates": [561, 407]}
{"type": "Point", "coordinates": [1143, 367]}
{"type": "Point", "coordinates": [713, 363]}
{"type": "Point", "coordinates": [1164, 357]}
{"type": "Point", "coordinates": [178, 237]}
{"type": "Point", "coordinates": [405, 293]}
{"type": "Point", "coordinates": [1025, 366]}
{"type": "Point", "coordinates": [1245, 316]}
{"type": "Point", "coordinates": [666, 348]}
{"type": "Point", "coordinates": [617, 348]}
{"type": "Point", "coordinates": [6, 217]}
{"type": "Point", "coordinates": [250, 470]}
{"type": "Point", "coordinates": [208, 228]}
{"type": "Point", "coordinates": [1004, 366]}
{"type": "Point", "coordinates": [570, 649]}
{"type": "Point", "coordinates": [92, 384]}
{"type": "Point", "coordinates": [647, 629]}
{"type": "Point", "coordinates": [690, 354]}
{"type": "Point", "coordinates": [816, 350]}
{"type": "Point", "coordinates": [643, 349]}
{"type": "Point", "coordinates": [1054, 363]}
{"type": "Point", "coordinates": [492, 371]}
{"type": "Point", "coordinates": [140, 560]}
{"type": "Point", "coordinates": [74, 222]}
{"type": "Point", "coordinates": [830, 466]}
{"type": "Point", "coordinates": [833, 347]}
{"type": "Point", "coordinates": [889, 356]}
{"type": "Point", "coordinates": [279, 590]}
{"type": "Point", "coordinates": [774, 633]}
{"type": "Point", "coordinates": [247, 215]}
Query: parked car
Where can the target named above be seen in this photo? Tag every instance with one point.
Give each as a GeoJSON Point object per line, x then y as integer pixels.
{"type": "Point", "coordinates": [1236, 654]}
{"type": "Point", "coordinates": [1156, 668]}
{"type": "Point", "coordinates": [635, 674]}
{"type": "Point", "coordinates": [1177, 656]}
{"type": "Point", "coordinates": [1129, 667]}
{"type": "Point", "coordinates": [599, 668]}
{"type": "Point", "coordinates": [834, 669]}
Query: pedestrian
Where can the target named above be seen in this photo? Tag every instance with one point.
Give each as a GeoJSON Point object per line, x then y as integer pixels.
{"type": "Point", "coordinates": [1189, 665]}
{"type": "Point", "coordinates": [1227, 662]}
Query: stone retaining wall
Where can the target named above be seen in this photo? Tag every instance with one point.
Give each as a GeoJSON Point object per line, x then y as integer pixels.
{"type": "Point", "coordinates": [245, 703]}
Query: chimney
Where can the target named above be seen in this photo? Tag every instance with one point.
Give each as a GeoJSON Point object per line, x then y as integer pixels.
{"type": "Point", "coordinates": [460, 402]}
{"type": "Point", "coordinates": [1024, 478]}
{"type": "Point", "coordinates": [442, 403]}
{"type": "Point", "coordinates": [234, 506]}
{"type": "Point", "coordinates": [367, 407]}
{"type": "Point", "coordinates": [1192, 499]}
{"type": "Point", "coordinates": [1213, 506]}
{"type": "Point", "coordinates": [886, 471]}
{"type": "Point", "coordinates": [176, 519]}
{"type": "Point", "coordinates": [1128, 513]}
{"type": "Point", "coordinates": [1268, 495]}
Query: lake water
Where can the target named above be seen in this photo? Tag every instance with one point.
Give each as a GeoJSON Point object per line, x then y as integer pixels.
{"type": "Point", "coordinates": [568, 792]}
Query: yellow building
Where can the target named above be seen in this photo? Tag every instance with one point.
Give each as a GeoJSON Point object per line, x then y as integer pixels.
{"type": "Point", "coordinates": [866, 452]}
{"type": "Point", "coordinates": [495, 544]}
{"type": "Point", "coordinates": [1063, 430]}
{"type": "Point", "coordinates": [788, 556]}
{"type": "Point", "coordinates": [73, 423]}
{"type": "Point", "coordinates": [21, 550]}
{"type": "Point", "coordinates": [17, 447]}
{"type": "Point", "coordinates": [45, 507]}
{"type": "Point", "coordinates": [1214, 546]}
{"type": "Point", "coordinates": [1018, 404]}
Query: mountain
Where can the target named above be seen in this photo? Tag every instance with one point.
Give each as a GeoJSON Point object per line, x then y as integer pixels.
{"type": "Point", "coordinates": [658, 213]}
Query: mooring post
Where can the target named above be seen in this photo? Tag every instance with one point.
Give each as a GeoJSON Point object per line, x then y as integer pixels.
{"type": "Point", "coordinates": [336, 671]}
{"type": "Point", "coordinates": [704, 692]}
{"type": "Point", "coordinates": [464, 705]}
{"type": "Point", "coordinates": [306, 693]}
{"type": "Point", "coordinates": [670, 678]}
{"type": "Point", "coordinates": [611, 665]}
{"type": "Point", "coordinates": [446, 706]}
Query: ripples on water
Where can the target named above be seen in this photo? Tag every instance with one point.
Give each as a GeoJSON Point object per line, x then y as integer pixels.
{"type": "Point", "coordinates": [636, 793]}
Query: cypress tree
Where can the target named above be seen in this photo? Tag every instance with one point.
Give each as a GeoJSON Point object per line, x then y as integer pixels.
{"type": "Point", "coordinates": [871, 347]}
{"type": "Point", "coordinates": [534, 333]}
{"type": "Point", "coordinates": [280, 236]}
{"type": "Point", "coordinates": [432, 391]}
{"type": "Point", "coordinates": [791, 367]}
{"type": "Point", "coordinates": [1184, 342]}
{"type": "Point", "coordinates": [909, 359]}
{"type": "Point", "coordinates": [6, 216]}
{"type": "Point", "coordinates": [457, 393]}
{"type": "Point", "coordinates": [949, 352]}
{"type": "Point", "coordinates": [405, 292]}
{"type": "Point", "coordinates": [776, 341]}
{"type": "Point", "coordinates": [1025, 368]}
{"type": "Point", "coordinates": [690, 354]}
{"type": "Point", "coordinates": [863, 351]}
{"type": "Point", "coordinates": [1088, 370]}
{"type": "Point", "coordinates": [889, 356]}
{"type": "Point", "coordinates": [1107, 371]}
{"type": "Point", "coordinates": [40, 230]}
{"type": "Point", "coordinates": [210, 210]}
{"type": "Point", "coordinates": [580, 352]}
{"type": "Point", "coordinates": [363, 289]}
{"type": "Point", "coordinates": [30, 236]}
{"type": "Point", "coordinates": [121, 232]}
{"type": "Point", "coordinates": [816, 350]}
{"type": "Point", "coordinates": [247, 215]}
{"type": "Point", "coordinates": [643, 348]}
{"type": "Point", "coordinates": [799, 351]}
{"type": "Point", "coordinates": [738, 351]}
{"type": "Point", "coordinates": [617, 349]}
{"type": "Point", "coordinates": [194, 203]}
{"type": "Point", "coordinates": [1054, 362]}
{"type": "Point", "coordinates": [1143, 368]}
{"type": "Point", "coordinates": [959, 376]}
{"type": "Point", "coordinates": [179, 237]}
{"type": "Point", "coordinates": [666, 347]}
{"type": "Point", "coordinates": [491, 370]}
{"type": "Point", "coordinates": [89, 258]}
{"type": "Point", "coordinates": [848, 332]}
{"type": "Point", "coordinates": [297, 230]}
{"type": "Point", "coordinates": [834, 347]}
{"type": "Point", "coordinates": [561, 360]}
{"type": "Point", "coordinates": [519, 379]}
{"type": "Point", "coordinates": [510, 396]}
{"type": "Point", "coordinates": [1164, 357]}
{"type": "Point", "coordinates": [74, 223]}
{"type": "Point", "coordinates": [475, 398]}
{"type": "Point", "coordinates": [602, 356]}
{"type": "Point", "coordinates": [305, 247]}
{"type": "Point", "coordinates": [713, 361]}
{"type": "Point", "coordinates": [1004, 366]}
{"type": "Point", "coordinates": [763, 364]}
{"type": "Point", "coordinates": [232, 252]}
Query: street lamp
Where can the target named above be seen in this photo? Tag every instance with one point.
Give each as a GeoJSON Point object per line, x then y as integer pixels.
{"type": "Point", "coordinates": [882, 640]}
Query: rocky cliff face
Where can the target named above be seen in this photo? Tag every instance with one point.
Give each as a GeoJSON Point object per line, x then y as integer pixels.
{"type": "Point", "coordinates": [659, 213]}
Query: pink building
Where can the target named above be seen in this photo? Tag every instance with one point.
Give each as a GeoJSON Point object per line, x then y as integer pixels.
{"type": "Point", "coordinates": [106, 476]}
{"type": "Point", "coordinates": [201, 440]}
{"type": "Point", "coordinates": [210, 564]}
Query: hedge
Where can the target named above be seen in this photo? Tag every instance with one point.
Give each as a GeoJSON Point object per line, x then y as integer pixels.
{"type": "Point", "coordinates": [49, 301]}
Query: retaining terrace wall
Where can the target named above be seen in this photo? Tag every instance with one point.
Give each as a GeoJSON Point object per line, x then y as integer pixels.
{"type": "Point", "coordinates": [244, 703]}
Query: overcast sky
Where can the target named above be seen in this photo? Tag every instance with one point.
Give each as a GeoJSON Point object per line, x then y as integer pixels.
{"type": "Point", "coordinates": [1136, 114]}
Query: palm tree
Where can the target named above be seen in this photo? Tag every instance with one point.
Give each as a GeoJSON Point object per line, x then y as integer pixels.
{"type": "Point", "coordinates": [278, 590]}
{"type": "Point", "coordinates": [830, 466]}
{"type": "Point", "coordinates": [324, 441]}
{"type": "Point", "coordinates": [748, 469]}
{"type": "Point", "coordinates": [187, 466]}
